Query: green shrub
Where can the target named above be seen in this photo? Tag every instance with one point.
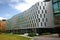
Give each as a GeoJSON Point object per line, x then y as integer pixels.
{"type": "Point", "coordinates": [32, 34]}
{"type": "Point", "coordinates": [46, 33]}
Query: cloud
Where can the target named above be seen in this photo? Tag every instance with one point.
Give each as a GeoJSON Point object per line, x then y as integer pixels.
{"type": "Point", "coordinates": [2, 18]}
{"type": "Point", "coordinates": [24, 5]}
{"type": "Point", "coordinates": [32, 1]}
{"type": "Point", "coordinates": [19, 5]}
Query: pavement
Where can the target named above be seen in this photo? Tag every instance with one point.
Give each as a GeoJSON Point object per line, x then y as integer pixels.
{"type": "Point", "coordinates": [43, 38]}
{"type": "Point", "coordinates": [47, 37]}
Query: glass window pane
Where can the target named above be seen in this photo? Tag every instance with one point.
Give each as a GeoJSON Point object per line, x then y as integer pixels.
{"type": "Point", "coordinates": [59, 6]}
{"type": "Point", "coordinates": [54, 0]}
{"type": "Point", "coordinates": [45, 23]}
{"type": "Point", "coordinates": [59, 0]}
{"type": "Point", "coordinates": [39, 19]}
{"type": "Point", "coordinates": [55, 7]}
{"type": "Point", "coordinates": [41, 23]}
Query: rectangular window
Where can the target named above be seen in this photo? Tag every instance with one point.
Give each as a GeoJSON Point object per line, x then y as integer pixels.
{"type": "Point", "coordinates": [31, 25]}
{"type": "Point", "coordinates": [41, 23]}
{"type": "Point", "coordinates": [43, 19]}
{"type": "Point", "coordinates": [40, 7]}
{"type": "Point", "coordinates": [55, 7]}
{"type": "Point", "coordinates": [45, 23]}
{"type": "Point", "coordinates": [32, 21]}
{"type": "Point", "coordinates": [37, 8]}
{"type": "Point", "coordinates": [33, 17]}
{"type": "Point", "coordinates": [41, 15]}
{"type": "Point", "coordinates": [45, 3]}
{"type": "Point", "coordinates": [36, 20]}
{"type": "Point", "coordinates": [37, 16]}
{"type": "Point", "coordinates": [38, 11]}
{"type": "Point", "coordinates": [35, 24]}
{"type": "Point", "coordinates": [39, 19]}
{"type": "Point", "coordinates": [46, 20]}
{"type": "Point", "coordinates": [55, 1]}
{"type": "Point", "coordinates": [38, 3]}
{"type": "Point", "coordinates": [44, 15]}
{"type": "Point", "coordinates": [45, 11]}
{"type": "Point", "coordinates": [42, 11]}
{"type": "Point", "coordinates": [59, 6]}
{"type": "Point", "coordinates": [43, 7]}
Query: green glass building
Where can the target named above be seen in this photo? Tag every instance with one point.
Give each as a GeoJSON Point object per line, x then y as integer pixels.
{"type": "Point", "coordinates": [56, 12]}
{"type": "Point", "coordinates": [56, 7]}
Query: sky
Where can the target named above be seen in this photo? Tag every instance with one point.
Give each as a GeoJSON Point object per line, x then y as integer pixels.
{"type": "Point", "coordinates": [9, 8]}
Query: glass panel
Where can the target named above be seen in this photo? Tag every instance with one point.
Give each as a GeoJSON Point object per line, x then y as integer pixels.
{"type": "Point", "coordinates": [39, 19]}
{"type": "Point", "coordinates": [41, 15]}
{"type": "Point", "coordinates": [54, 0]}
{"type": "Point", "coordinates": [45, 23]}
{"type": "Point", "coordinates": [59, 6]}
{"type": "Point", "coordinates": [45, 11]}
{"type": "Point", "coordinates": [55, 7]}
{"type": "Point", "coordinates": [44, 15]}
{"type": "Point", "coordinates": [41, 23]}
{"type": "Point", "coordinates": [43, 19]}
{"type": "Point", "coordinates": [59, 0]}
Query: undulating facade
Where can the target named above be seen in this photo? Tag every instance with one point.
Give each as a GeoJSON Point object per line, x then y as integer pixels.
{"type": "Point", "coordinates": [38, 17]}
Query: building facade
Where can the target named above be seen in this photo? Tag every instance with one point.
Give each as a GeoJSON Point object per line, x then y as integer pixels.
{"type": "Point", "coordinates": [56, 12]}
{"type": "Point", "coordinates": [56, 7]}
{"type": "Point", "coordinates": [2, 24]}
{"type": "Point", "coordinates": [38, 17]}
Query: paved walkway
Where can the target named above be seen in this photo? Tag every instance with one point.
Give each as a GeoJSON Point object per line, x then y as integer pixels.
{"type": "Point", "coordinates": [43, 38]}
{"type": "Point", "coordinates": [47, 37]}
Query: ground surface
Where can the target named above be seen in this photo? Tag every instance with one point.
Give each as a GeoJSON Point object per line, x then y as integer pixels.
{"type": "Point", "coordinates": [12, 37]}
{"type": "Point", "coordinates": [43, 38]}
{"type": "Point", "coordinates": [47, 37]}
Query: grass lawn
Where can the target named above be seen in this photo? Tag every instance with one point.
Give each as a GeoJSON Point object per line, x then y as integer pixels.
{"type": "Point", "coordinates": [12, 37]}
